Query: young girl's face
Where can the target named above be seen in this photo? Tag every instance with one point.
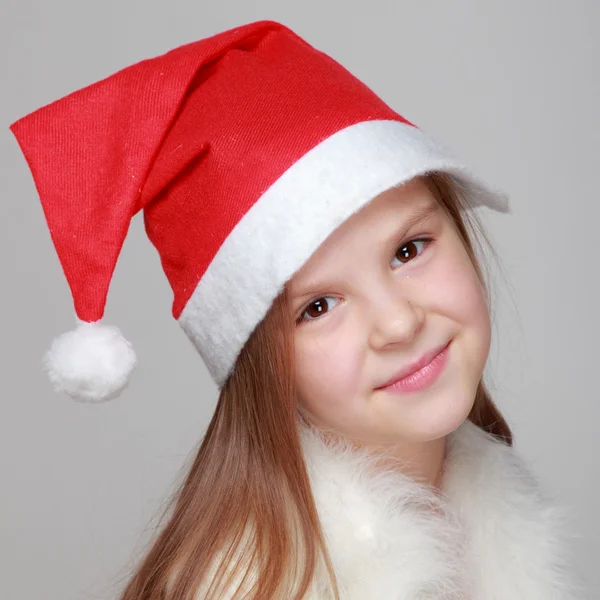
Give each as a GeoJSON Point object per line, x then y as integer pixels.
{"type": "Point", "coordinates": [374, 298]}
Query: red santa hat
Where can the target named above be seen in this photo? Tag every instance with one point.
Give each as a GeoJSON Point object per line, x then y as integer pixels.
{"type": "Point", "coordinates": [245, 150]}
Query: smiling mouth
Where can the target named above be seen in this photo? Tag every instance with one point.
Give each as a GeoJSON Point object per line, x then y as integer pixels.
{"type": "Point", "coordinates": [415, 367]}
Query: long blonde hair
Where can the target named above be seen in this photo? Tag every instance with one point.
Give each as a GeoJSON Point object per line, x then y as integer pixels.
{"type": "Point", "coordinates": [245, 508]}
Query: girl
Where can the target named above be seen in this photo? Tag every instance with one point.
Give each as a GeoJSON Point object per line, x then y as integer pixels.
{"type": "Point", "coordinates": [321, 252]}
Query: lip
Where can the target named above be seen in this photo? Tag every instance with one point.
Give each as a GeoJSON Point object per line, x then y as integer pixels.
{"type": "Point", "coordinates": [412, 368]}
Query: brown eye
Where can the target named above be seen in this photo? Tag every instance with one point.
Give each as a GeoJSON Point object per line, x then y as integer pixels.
{"type": "Point", "coordinates": [410, 250]}
{"type": "Point", "coordinates": [315, 309]}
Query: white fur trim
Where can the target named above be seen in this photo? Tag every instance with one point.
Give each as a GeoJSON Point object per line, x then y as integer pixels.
{"type": "Point", "coordinates": [380, 525]}
{"type": "Point", "coordinates": [295, 215]}
{"type": "Point", "coordinates": [91, 363]}
{"type": "Point", "coordinates": [492, 532]}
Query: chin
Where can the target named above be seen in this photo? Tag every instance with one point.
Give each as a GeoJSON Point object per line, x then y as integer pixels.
{"type": "Point", "coordinates": [435, 416]}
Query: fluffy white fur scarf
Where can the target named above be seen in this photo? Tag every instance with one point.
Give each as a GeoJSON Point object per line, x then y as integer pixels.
{"type": "Point", "coordinates": [491, 534]}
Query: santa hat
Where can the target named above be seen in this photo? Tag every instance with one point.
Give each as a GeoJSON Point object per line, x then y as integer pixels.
{"type": "Point", "coordinates": [245, 150]}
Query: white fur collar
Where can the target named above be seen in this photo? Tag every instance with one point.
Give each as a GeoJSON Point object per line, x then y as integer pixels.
{"type": "Point", "coordinates": [490, 535]}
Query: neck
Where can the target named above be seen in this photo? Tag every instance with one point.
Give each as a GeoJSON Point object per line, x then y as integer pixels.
{"type": "Point", "coordinates": [422, 461]}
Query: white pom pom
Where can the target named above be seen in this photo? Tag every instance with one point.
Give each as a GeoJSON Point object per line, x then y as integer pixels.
{"type": "Point", "coordinates": [91, 363]}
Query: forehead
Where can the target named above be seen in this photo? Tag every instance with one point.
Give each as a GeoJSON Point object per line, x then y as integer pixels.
{"type": "Point", "coordinates": [396, 209]}
{"type": "Point", "coordinates": [391, 209]}
{"type": "Point", "coordinates": [399, 200]}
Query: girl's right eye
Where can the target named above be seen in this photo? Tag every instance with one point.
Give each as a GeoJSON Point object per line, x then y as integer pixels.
{"type": "Point", "coordinates": [320, 309]}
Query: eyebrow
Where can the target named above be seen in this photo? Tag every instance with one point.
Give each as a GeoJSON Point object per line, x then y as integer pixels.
{"type": "Point", "coordinates": [416, 216]}
{"type": "Point", "coordinates": [422, 212]}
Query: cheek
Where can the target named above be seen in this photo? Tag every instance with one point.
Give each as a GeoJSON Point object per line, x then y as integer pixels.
{"type": "Point", "coordinates": [455, 291]}
{"type": "Point", "coordinates": [328, 370]}
{"type": "Point", "coordinates": [454, 283]}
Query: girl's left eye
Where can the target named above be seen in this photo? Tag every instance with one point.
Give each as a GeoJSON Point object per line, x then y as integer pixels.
{"type": "Point", "coordinates": [408, 255]}
{"type": "Point", "coordinates": [404, 251]}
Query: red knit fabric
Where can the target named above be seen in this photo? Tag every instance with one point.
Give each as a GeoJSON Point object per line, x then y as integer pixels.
{"type": "Point", "coordinates": [194, 137]}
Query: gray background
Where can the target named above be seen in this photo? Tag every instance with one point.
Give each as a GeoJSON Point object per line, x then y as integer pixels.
{"type": "Point", "coordinates": [512, 87]}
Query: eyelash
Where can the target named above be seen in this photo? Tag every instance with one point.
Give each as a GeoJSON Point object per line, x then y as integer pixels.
{"type": "Point", "coordinates": [427, 241]}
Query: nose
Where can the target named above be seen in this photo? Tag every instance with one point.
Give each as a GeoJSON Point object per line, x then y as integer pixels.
{"type": "Point", "coordinates": [397, 320]}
